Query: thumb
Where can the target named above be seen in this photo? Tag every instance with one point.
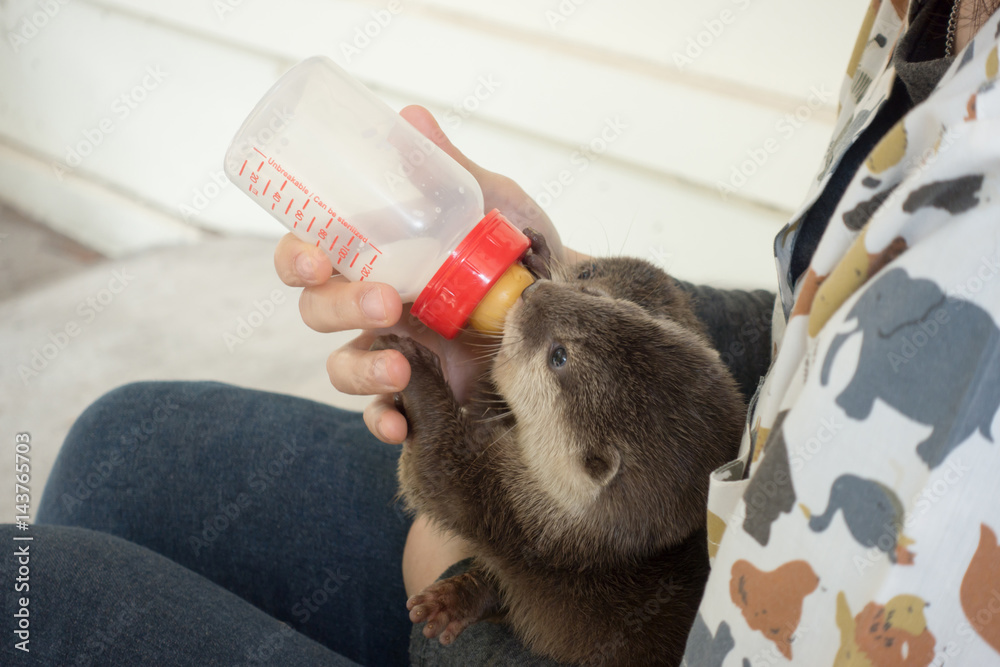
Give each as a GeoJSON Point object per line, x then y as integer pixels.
{"type": "Point", "coordinates": [499, 191]}
{"type": "Point", "coordinates": [427, 125]}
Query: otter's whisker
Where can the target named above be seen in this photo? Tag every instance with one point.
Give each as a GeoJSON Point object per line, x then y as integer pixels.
{"type": "Point", "coordinates": [495, 343]}
{"type": "Point", "coordinates": [499, 417]}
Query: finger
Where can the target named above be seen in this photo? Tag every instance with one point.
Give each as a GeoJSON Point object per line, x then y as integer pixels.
{"type": "Point", "coordinates": [499, 191]}
{"type": "Point", "coordinates": [384, 421]}
{"type": "Point", "coordinates": [353, 369]}
{"type": "Point", "coordinates": [341, 305]}
{"type": "Point", "coordinates": [300, 264]}
{"type": "Point", "coordinates": [494, 185]}
{"type": "Point", "coordinates": [424, 121]}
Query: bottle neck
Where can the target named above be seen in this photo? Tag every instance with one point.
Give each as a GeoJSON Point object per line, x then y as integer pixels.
{"type": "Point", "coordinates": [472, 269]}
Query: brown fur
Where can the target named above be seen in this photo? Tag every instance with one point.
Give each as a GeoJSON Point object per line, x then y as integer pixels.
{"type": "Point", "coordinates": [582, 485]}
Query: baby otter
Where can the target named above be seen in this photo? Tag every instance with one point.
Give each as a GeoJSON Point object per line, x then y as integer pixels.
{"type": "Point", "coordinates": [582, 484]}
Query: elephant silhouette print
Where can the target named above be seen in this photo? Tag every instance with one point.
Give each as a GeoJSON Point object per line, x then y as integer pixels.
{"type": "Point", "coordinates": [913, 335]}
{"type": "Point", "coordinates": [873, 513]}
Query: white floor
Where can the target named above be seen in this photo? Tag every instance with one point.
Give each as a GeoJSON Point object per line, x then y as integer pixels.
{"type": "Point", "coordinates": [165, 314]}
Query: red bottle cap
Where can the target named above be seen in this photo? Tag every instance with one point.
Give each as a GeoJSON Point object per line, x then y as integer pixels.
{"type": "Point", "coordinates": [468, 274]}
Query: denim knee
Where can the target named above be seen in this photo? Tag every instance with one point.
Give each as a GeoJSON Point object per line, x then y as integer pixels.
{"type": "Point", "coordinates": [106, 436]}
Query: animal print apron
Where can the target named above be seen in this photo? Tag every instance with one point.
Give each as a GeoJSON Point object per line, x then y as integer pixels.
{"type": "Point", "coordinates": [859, 526]}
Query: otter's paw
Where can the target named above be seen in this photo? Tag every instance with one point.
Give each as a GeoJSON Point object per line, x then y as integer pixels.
{"type": "Point", "coordinates": [538, 256]}
{"type": "Point", "coordinates": [427, 394]}
{"type": "Point", "coordinates": [421, 359]}
{"type": "Point", "coordinates": [451, 605]}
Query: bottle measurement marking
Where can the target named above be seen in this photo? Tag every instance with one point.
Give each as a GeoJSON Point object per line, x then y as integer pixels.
{"type": "Point", "coordinates": [276, 203]}
{"type": "Point", "coordinates": [344, 252]}
{"type": "Point", "coordinates": [297, 216]}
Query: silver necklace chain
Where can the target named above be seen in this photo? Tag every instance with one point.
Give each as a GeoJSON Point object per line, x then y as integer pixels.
{"type": "Point", "coordinates": [949, 43]}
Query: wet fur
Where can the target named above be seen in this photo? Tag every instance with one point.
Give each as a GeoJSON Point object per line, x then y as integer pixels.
{"type": "Point", "coordinates": [583, 486]}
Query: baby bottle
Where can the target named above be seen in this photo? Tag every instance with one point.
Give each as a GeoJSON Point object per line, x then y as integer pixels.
{"type": "Point", "coordinates": [342, 170]}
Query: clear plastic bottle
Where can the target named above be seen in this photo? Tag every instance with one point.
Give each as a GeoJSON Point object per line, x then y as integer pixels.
{"type": "Point", "coordinates": [339, 168]}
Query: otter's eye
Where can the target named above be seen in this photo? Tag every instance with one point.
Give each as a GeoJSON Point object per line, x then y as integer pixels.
{"type": "Point", "coordinates": [588, 272]}
{"type": "Point", "coordinates": [558, 356]}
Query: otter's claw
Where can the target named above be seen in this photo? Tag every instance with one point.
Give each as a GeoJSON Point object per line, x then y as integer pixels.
{"type": "Point", "coordinates": [537, 259]}
{"type": "Point", "coordinates": [452, 605]}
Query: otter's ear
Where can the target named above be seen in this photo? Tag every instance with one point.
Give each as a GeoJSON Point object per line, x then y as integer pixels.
{"type": "Point", "coordinates": [602, 465]}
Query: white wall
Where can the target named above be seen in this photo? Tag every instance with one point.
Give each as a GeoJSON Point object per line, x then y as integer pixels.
{"type": "Point", "coordinates": [115, 114]}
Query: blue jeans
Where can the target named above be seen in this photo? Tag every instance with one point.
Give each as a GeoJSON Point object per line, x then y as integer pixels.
{"type": "Point", "coordinates": [199, 523]}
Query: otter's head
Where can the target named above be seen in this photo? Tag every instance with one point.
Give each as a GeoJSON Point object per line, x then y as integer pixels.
{"type": "Point", "coordinates": [622, 408]}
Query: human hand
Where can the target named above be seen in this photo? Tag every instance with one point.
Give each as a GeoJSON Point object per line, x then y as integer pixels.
{"type": "Point", "coordinates": [330, 302]}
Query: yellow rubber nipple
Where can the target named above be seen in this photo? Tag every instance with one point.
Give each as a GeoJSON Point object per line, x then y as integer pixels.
{"type": "Point", "coordinates": [491, 312]}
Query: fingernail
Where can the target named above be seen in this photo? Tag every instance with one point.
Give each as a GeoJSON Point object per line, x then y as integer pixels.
{"type": "Point", "coordinates": [381, 371]}
{"type": "Point", "coordinates": [372, 304]}
{"type": "Point", "coordinates": [305, 266]}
